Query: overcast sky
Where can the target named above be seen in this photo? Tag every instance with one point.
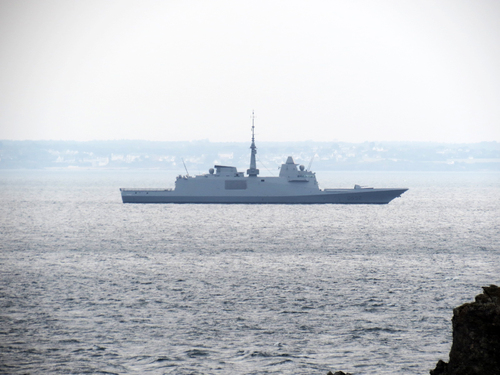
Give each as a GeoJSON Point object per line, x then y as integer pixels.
{"type": "Point", "coordinates": [347, 70]}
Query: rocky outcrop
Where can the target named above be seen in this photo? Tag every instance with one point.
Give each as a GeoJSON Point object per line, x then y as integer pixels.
{"type": "Point", "coordinates": [476, 337]}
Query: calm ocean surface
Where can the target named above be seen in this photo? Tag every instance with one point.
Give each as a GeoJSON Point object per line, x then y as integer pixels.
{"type": "Point", "coordinates": [90, 285]}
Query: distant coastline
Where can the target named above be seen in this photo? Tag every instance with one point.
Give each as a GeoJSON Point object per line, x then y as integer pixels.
{"type": "Point", "coordinates": [199, 155]}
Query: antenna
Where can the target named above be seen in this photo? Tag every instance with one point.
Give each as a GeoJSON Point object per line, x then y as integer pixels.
{"type": "Point", "coordinates": [253, 127]}
{"type": "Point", "coordinates": [253, 171]}
{"type": "Point", "coordinates": [310, 163]}
{"type": "Point", "coordinates": [185, 166]}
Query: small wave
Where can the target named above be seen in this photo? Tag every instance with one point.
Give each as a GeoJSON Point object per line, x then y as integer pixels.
{"type": "Point", "coordinates": [69, 341]}
{"type": "Point", "coordinates": [279, 363]}
{"type": "Point", "coordinates": [193, 353]}
{"type": "Point", "coordinates": [163, 359]}
{"type": "Point", "coordinates": [260, 354]}
{"type": "Point", "coordinates": [378, 329]}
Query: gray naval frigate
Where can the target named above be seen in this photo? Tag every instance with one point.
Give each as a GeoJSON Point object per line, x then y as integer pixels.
{"type": "Point", "coordinates": [225, 184]}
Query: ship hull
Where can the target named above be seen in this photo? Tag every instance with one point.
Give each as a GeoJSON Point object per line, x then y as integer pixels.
{"type": "Point", "coordinates": [340, 196]}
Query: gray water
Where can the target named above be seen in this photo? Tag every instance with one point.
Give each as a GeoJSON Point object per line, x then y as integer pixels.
{"type": "Point", "coordinates": [90, 285]}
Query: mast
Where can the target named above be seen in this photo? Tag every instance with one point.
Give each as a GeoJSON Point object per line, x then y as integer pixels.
{"type": "Point", "coordinates": [253, 171]}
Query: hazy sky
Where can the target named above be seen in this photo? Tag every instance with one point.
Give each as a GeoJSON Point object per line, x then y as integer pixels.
{"type": "Point", "coordinates": [347, 70]}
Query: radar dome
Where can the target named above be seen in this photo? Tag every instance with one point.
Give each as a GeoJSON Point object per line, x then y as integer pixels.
{"type": "Point", "coordinates": [211, 170]}
{"type": "Point", "coordinates": [301, 168]}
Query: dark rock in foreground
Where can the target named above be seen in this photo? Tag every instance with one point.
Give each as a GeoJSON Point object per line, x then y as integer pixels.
{"type": "Point", "coordinates": [476, 337]}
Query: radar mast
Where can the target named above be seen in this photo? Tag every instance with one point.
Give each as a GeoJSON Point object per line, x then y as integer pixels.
{"type": "Point", "coordinates": [253, 171]}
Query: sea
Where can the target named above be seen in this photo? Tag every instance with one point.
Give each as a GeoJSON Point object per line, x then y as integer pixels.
{"type": "Point", "coordinates": [89, 285]}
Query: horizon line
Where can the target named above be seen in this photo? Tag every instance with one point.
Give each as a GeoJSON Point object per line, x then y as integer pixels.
{"type": "Point", "coordinates": [209, 141]}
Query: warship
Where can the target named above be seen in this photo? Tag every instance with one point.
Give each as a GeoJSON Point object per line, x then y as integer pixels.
{"type": "Point", "coordinates": [224, 184]}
